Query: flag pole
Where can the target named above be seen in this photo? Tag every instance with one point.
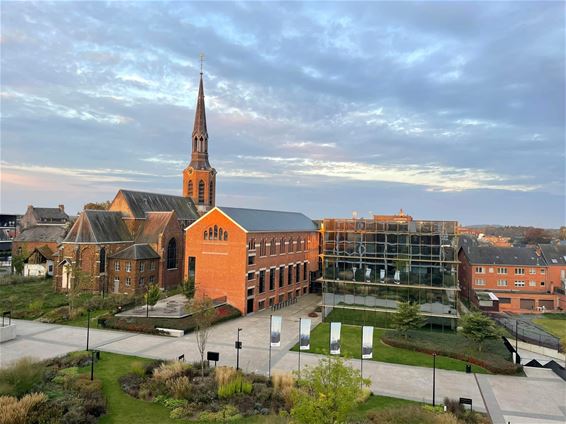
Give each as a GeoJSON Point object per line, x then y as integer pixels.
{"type": "Point", "coordinates": [300, 348]}
{"type": "Point", "coordinates": [270, 327]}
{"type": "Point", "coordinates": [362, 359]}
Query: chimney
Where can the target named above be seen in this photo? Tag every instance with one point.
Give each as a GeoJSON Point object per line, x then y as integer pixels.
{"type": "Point", "coordinates": [62, 208]}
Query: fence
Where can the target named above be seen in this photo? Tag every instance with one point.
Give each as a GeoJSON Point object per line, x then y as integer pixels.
{"type": "Point", "coordinates": [527, 331]}
{"type": "Point", "coordinates": [284, 304]}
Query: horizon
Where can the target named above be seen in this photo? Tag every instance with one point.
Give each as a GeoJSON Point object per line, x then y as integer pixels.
{"type": "Point", "coordinates": [436, 109]}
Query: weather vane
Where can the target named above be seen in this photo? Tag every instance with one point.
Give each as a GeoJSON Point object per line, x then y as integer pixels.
{"type": "Point", "coordinates": [201, 61]}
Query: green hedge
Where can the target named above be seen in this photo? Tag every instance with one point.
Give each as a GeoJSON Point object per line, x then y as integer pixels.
{"type": "Point", "coordinates": [149, 325]}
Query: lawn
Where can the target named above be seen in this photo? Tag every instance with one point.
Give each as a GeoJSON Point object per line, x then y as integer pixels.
{"type": "Point", "coordinates": [122, 408]}
{"type": "Point", "coordinates": [379, 402]}
{"type": "Point", "coordinates": [351, 348]}
{"type": "Point", "coordinates": [555, 324]}
{"type": "Point", "coordinates": [30, 299]}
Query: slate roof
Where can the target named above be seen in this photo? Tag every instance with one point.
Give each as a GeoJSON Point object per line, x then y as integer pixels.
{"type": "Point", "coordinates": [491, 255]}
{"type": "Point", "coordinates": [554, 254]}
{"type": "Point", "coordinates": [94, 226]}
{"type": "Point", "coordinates": [153, 226]}
{"type": "Point", "coordinates": [47, 233]}
{"type": "Point", "coordinates": [141, 203]}
{"type": "Point", "coordinates": [53, 214]}
{"type": "Point", "coordinates": [257, 220]}
{"type": "Point", "coordinates": [136, 252]}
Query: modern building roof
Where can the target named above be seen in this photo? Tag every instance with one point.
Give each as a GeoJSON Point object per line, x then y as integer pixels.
{"type": "Point", "coordinates": [46, 233]}
{"type": "Point", "coordinates": [153, 226]}
{"type": "Point", "coordinates": [554, 254]}
{"type": "Point", "coordinates": [141, 203]}
{"type": "Point", "coordinates": [95, 226]}
{"type": "Point", "coordinates": [491, 255]}
{"type": "Point", "coordinates": [257, 220]}
{"type": "Point", "coordinates": [136, 252]}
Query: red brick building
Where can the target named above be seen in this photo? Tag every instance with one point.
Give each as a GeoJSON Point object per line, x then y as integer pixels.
{"type": "Point", "coordinates": [517, 276]}
{"type": "Point", "coordinates": [256, 258]}
{"type": "Point", "coordinates": [555, 257]}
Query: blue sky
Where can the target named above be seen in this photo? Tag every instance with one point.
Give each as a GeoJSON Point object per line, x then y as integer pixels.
{"type": "Point", "coordinates": [449, 110]}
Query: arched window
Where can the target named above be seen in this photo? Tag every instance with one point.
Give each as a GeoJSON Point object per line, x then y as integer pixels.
{"type": "Point", "coordinates": [225, 235]}
{"type": "Point", "coordinates": [210, 193]}
{"type": "Point", "coordinates": [205, 235]}
{"type": "Point", "coordinates": [220, 234]}
{"type": "Point", "coordinates": [215, 232]}
{"type": "Point", "coordinates": [172, 254]}
{"type": "Point", "coordinates": [290, 245]}
{"type": "Point", "coordinates": [210, 233]}
{"type": "Point", "coordinates": [195, 144]}
{"type": "Point", "coordinates": [190, 188]}
{"type": "Point", "coordinates": [282, 246]}
{"type": "Point", "coordinates": [102, 260]}
{"type": "Point", "coordinates": [201, 191]}
{"type": "Point", "coordinates": [272, 247]}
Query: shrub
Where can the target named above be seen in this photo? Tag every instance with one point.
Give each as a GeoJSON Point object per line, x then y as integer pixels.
{"type": "Point", "coordinates": [14, 411]}
{"type": "Point", "coordinates": [21, 377]}
{"type": "Point", "coordinates": [60, 314]}
{"type": "Point", "coordinates": [167, 371]}
{"type": "Point", "coordinates": [169, 402]}
{"type": "Point", "coordinates": [228, 413]}
{"type": "Point", "coordinates": [65, 376]}
{"type": "Point", "coordinates": [410, 415]}
{"type": "Point", "coordinates": [238, 384]}
{"type": "Point", "coordinates": [131, 383]}
{"type": "Point", "coordinates": [85, 387]}
{"type": "Point", "coordinates": [179, 387]}
{"type": "Point", "coordinates": [35, 306]}
{"type": "Point", "coordinates": [283, 384]}
{"type": "Point", "coordinates": [223, 375]}
{"type": "Point", "coordinates": [138, 368]}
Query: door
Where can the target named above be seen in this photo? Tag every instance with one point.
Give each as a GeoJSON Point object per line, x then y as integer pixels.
{"type": "Point", "coordinates": [527, 304]}
{"type": "Point", "coordinates": [250, 307]}
{"type": "Point", "coordinates": [116, 286]}
{"type": "Point", "coordinates": [66, 276]}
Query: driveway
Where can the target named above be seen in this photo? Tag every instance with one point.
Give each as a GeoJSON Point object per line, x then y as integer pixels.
{"type": "Point", "coordinates": [539, 398]}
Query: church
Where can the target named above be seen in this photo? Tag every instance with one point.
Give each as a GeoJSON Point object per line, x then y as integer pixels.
{"type": "Point", "coordinates": [139, 240]}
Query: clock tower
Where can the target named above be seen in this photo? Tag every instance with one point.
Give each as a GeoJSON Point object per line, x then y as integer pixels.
{"type": "Point", "coordinates": [199, 178]}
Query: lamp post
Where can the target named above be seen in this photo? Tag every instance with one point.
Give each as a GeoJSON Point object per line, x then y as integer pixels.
{"type": "Point", "coordinates": [516, 335]}
{"type": "Point", "coordinates": [238, 347]}
{"type": "Point", "coordinates": [434, 379]}
{"type": "Point", "coordinates": [87, 327]}
{"type": "Point", "coordinates": [147, 302]}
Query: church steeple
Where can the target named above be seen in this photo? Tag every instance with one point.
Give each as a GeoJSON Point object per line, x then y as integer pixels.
{"type": "Point", "coordinates": [199, 178]}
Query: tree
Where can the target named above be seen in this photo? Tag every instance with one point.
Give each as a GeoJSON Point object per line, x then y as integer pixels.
{"type": "Point", "coordinates": [80, 280]}
{"type": "Point", "coordinates": [188, 288]}
{"type": "Point", "coordinates": [18, 262]}
{"type": "Point", "coordinates": [478, 328]}
{"type": "Point", "coordinates": [102, 206]}
{"type": "Point", "coordinates": [203, 315]}
{"type": "Point", "coordinates": [536, 236]}
{"type": "Point", "coordinates": [152, 295]}
{"type": "Point", "coordinates": [325, 394]}
{"type": "Point", "coordinates": [407, 318]}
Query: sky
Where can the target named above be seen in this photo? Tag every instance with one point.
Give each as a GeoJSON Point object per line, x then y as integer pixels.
{"type": "Point", "coordinates": [449, 110]}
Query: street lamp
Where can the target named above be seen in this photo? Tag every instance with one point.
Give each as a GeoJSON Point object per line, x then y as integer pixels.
{"type": "Point", "coordinates": [87, 327]}
{"type": "Point", "coordinates": [238, 347]}
{"type": "Point", "coordinates": [434, 379]}
{"type": "Point", "coordinates": [147, 302]}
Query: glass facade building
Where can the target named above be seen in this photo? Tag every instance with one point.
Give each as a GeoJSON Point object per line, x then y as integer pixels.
{"type": "Point", "coordinates": [369, 265]}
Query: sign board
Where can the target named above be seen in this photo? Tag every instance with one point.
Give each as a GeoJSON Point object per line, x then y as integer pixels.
{"type": "Point", "coordinates": [305, 334]}
{"type": "Point", "coordinates": [276, 331]}
{"type": "Point", "coordinates": [213, 356]}
{"type": "Point", "coordinates": [335, 338]}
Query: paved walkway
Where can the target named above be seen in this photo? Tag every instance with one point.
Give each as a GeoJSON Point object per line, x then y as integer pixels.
{"type": "Point", "coordinates": [539, 398]}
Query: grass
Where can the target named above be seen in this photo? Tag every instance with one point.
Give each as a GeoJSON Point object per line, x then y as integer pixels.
{"type": "Point", "coordinates": [379, 402]}
{"type": "Point", "coordinates": [121, 407]}
{"type": "Point", "coordinates": [30, 299]}
{"type": "Point", "coordinates": [351, 348]}
{"type": "Point", "coordinates": [555, 324]}
{"type": "Point", "coordinates": [81, 321]}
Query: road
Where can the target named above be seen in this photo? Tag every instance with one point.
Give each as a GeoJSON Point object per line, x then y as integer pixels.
{"type": "Point", "coordinates": [538, 398]}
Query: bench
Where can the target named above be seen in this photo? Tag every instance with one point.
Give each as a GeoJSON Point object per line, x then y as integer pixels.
{"type": "Point", "coordinates": [171, 332]}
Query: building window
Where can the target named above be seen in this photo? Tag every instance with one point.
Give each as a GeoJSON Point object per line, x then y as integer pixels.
{"type": "Point", "coordinates": [519, 284]}
{"type": "Point", "coordinates": [250, 291]}
{"type": "Point", "coordinates": [251, 259]}
{"type": "Point", "coordinates": [210, 193]}
{"type": "Point", "coordinates": [251, 244]}
{"type": "Point", "coordinates": [305, 290]}
{"type": "Point", "coordinates": [479, 270]}
{"type": "Point", "coordinates": [502, 283]}
{"type": "Point", "coordinates": [281, 276]}
{"type": "Point", "coordinates": [261, 305]}
{"type": "Point", "coordinates": [261, 281]}
{"type": "Point", "coordinates": [262, 248]}
{"type": "Point", "coordinates": [298, 273]}
{"type": "Point", "coordinates": [502, 271]}
{"type": "Point", "coordinates": [215, 232]}
{"type": "Point", "coordinates": [210, 233]}
{"type": "Point", "coordinates": [272, 247]}
{"type": "Point", "coordinates": [542, 271]}
{"type": "Point", "coordinates": [532, 271]}
{"type": "Point", "coordinates": [128, 267]}
{"type": "Point", "coordinates": [128, 281]}
{"type": "Point", "coordinates": [542, 283]}
{"type": "Point", "coordinates": [282, 246]}
{"type": "Point", "coordinates": [116, 265]}
{"type": "Point", "coordinates": [205, 235]}
{"type": "Point", "coordinates": [102, 260]}
{"type": "Point", "coordinates": [290, 248]}
{"type": "Point", "coordinates": [272, 279]}
{"type": "Point", "coordinates": [201, 191]}
{"type": "Point", "coordinates": [152, 265]}
{"type": "Point", "coordinates": [190, 189]}
{"type": "Point", "coordinates": [141, 283]}
{"type": "Point", "coordinates": [142, 267]}
{"type": "Point", "coordinates": [297, 292]}
{"type": "Point", "coordinates": [172, 254]}
{"type": "Point", "coordinates": [480, 282]}
{"type": "Point", "coordinates": [290, 275]}
{"type": "Point", "coordinates": [281, 298]}
{"type": "Point", "coordinates": [225, 235]}
{"type": "Point", "coordinates": [151, 279]}
{"type": "Point", "coordinates": [251, 276]}
{"type": "Point", "coordinates": [116, 283]}
{"type": "Point", "coordinates": [519, 271]}
{"type": "Point", "coordinates": [532, 283]}
{"type": "Point", "coordinates": [220, 234]}
{"type": "Point", "coordinates": [504, 300]}
{"type": "Point", "coordinates": [305, 269]}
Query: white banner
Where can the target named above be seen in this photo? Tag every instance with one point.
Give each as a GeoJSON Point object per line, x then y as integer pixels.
{"type": "Point", "coordinates": [335, 338]}
{"type": "Point", "coordinates": [367, 342]}
{"type": "Point", "coordinates": [275, 331]}
{"type": "Point", "coordinates": [381, 274]}
{"type": "Point", "coordinates": [305, 334]}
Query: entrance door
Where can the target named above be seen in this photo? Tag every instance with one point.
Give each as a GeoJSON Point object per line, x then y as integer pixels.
{"type": "Point", "coordinates": [250, 307]}
{"type": "Point", "coordinates": [116, 286]}
{"type": "Point", "coordinates": [65, 283]}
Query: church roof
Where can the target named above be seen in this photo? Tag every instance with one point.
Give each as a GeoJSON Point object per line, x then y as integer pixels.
{"type": "Point", "coordinates": [141, 203]}
{"type": "Point", "coordinates": [47, 233]}
{"type": "Point", "coordinates": [199, 127]}
{"type": "Point", "coordinates": [258, 220]}
{"type": "Point", "coordinates": [153, 226]}
{"type": "Point", "coordinates": [136, 252]}
{"type": "Point", "coordinates": [95, 226]}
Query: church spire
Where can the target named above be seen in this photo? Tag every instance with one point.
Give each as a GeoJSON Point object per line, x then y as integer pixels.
{"type": "Point", "coordinates": [199, 128]}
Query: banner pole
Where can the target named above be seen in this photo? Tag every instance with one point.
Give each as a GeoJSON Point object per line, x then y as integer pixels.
{"type": "Point", "coordinates": [270, 327]}
{"type": "Point", "coordinates": [362, 359]}
{"type": "Point", "coordinates": [300, 348]}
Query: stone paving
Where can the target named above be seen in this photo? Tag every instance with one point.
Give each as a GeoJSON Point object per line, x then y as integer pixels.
{"type": "Point", "coordinates": [538, 398]}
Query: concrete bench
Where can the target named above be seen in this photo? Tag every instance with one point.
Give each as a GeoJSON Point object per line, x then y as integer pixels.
{"type": "Point", "coordinates": [7, 333]}
{"type": "Point", "coordinates": [172, 332]}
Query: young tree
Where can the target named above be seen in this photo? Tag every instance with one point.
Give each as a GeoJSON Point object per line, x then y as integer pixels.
{"type": "Point", "coordinates": [151, 296]}
{"type": "Point", "coordinates": [188, 288]}
{"type": "Point", "coordinates": [326, 393]}
{"type": "Point", "coordinates": [80, 281]}
{"type": "Point", "coordinates": [18, 262]}
{"type": "Point", "coordinates": [407, 318]}
{"type": "Point", "coordinates": [203, 314]}
{"type": "Point", "coordinates": [478, 328]}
